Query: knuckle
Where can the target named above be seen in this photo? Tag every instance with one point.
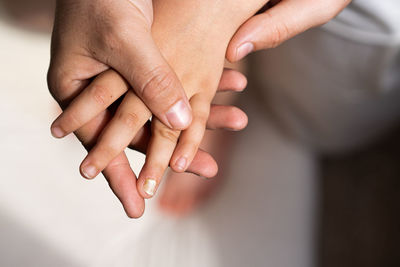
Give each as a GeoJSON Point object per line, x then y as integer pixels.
{"type": "Point", "coordinates": [280, 33]}
{"type": "Point", "coordinates": [56, 84]}
{"type": "Point", "coordinates": [201, 110]}
{"type": "Point", "coordinates": [158, 81]}
{"type": "Point", "coordinates": [166, 133]}
{"type": "Point", "coordinates": [60, 86]}
{"type": "Point", "coordinates": [128, 119]}
{"type": "Point", "coordinates": [100, 94]}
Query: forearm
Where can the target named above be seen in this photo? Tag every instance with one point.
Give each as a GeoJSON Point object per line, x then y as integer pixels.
{"type": "Point", "coordinates": [193, 35]}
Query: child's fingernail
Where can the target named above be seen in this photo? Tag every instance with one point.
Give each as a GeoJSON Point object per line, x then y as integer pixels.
{"type": "Point", "coordinates": [179, 115]}
{"type": "Point", "coordinates": [244, 50]}
{"type": "Point", "coordinates": [57, 132]}
{"type": "Point", "coordinates": [181, 163]}
{"type": "Point", "coordinates": [89, 171]}
{"type": "Point", "coordinates": [150, 187]}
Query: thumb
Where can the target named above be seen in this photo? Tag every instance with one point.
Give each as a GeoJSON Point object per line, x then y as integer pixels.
{"type": "Point", "coordinates": [140, 62]}
{"type": "Point", "coordinates": [280, 23]}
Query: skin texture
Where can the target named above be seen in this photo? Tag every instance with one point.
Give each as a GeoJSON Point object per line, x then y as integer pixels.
{"type": "Point", "coordinates": [73, 65]}
{"type": "Point", "coordinates": [197, 36]}
{"type": "Point", "coordinates": [282, 20]}
{"type": "Point", "coordinates": [200, 87]}
{"type": "Point", "coordinates": [174, 32]}
{"type": "Point", "coordinates": [92, 36]}
{"type": "Point", "coordinates": [184, 192]}
{"type": "Point", "coordinates": [278, 22]}
{"type": "Point", "coordinates": [118, 173]}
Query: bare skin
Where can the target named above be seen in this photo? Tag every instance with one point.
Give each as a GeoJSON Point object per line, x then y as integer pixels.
{"type": "Point", "coordinates": [279, 21]}
{"type": "Point", "coordinates": [184, 193]}
{"type": "Point", "coordinates": [181, 46]}
{"type": "Point", "coordinates": [197, 36]}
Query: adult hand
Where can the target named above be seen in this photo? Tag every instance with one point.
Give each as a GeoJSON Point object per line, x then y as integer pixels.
{"type": "Point", "coordinates": [91, 36]}
{"type": "Point", "coordinates": [282, 21]}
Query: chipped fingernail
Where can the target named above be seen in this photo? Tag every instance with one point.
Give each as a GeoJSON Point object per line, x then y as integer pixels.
{"type": "Point", "coordinates": [150, 187]}
{"type": "Point", "coordinates": [89, 171]}
{"type": "Point", "coordinates": [179, 115]}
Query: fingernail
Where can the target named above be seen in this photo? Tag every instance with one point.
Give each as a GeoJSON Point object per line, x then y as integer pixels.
{"type": "Point", "coordinates": [57, 132]}
{"type": "Point", "coordinates": [89, 171]}
{"type": "Point", "coordinates": [181, 163]}
{"type": "Point", "coordinates": [150, 187]}
{"type": "Point", "coordinates": [244, 50]}
{"type": "Point", "coordinates": [179, 115]}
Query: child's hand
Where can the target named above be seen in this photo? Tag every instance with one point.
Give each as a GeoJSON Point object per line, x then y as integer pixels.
{"type": "Point", "coordinates": [196, 51]}
{"type": "Point", "coordinates": [131, 116]}
{"type": "Point", "coordinates": [193, 39]}
{"type": "Point", "coordinates": [118, 172]}
{"type": "Point", "coordinates": [178, 149]}
{"type": "Point", "coordinates": [92, 36]}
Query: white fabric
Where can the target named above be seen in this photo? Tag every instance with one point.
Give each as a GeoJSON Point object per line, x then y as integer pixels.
{"type": "Point", "coordinates": [370, 22]}
{"type": "Point", "coordinates": [336, 87]}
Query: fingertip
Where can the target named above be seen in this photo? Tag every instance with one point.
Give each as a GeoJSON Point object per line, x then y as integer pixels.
{"type": "Point", "coordinates": [237, 50]}
{"type": "Point", "coordinates": [210, 171]}
{"type": "Point", "coordinates": [150, 187]}
{"type": "Point", "coordinates": [134, 212]}
{"type": "Point", "coordinates": [231, 53]}
{"type": "Point", "coordinates": [147, 185]}
{"type": "Point", "coordinates": [241, 82]}
{"type": "Point", "coordinates": [132, 202]}
{"type": "Point", "coordinates": [180, 165]}
{"type": "Point", "coordinates": [243, 50]}
{"type": "Point", "coordinates": [88, 171]}
{"type": "Point", "coordinates": [232, 80]}
{"type": "Point", "coordinates": [238, 119]}
{"type": "Point", "coordinates": [203, 165]}
{"type": "Point", "coordinates": [57, 131]}
{"type": "Point", "coordinates": [247, 39]}
{"type": "Point", "coordinates": [179, 116]}
{"type": "Point", "coordinates": [123, 183]}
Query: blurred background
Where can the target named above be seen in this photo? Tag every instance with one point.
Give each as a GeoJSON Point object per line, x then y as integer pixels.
{"type": "Point", "coordinates": [284, 203]}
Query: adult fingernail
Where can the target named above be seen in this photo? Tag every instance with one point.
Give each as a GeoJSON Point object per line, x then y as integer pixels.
{"type": "Point", "coordinates": [179, 115]}
{"type": "Point", "coordinates": [181, 163]}
{"type": "Point", "coordinates": [150, 187]}
{"type": "Point", "coordinates": [244, 50]}
{"type": "Point", "coordinates": [57, 132]}
{"type": "Point", "coordinates": [89, 171]}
